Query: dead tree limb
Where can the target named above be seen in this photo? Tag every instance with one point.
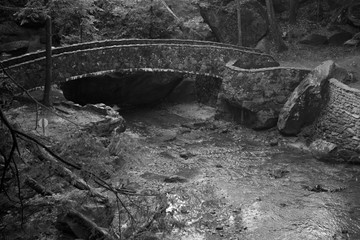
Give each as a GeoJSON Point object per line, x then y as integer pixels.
{"type": "Point", "coordinates": [37, 187]}
{"type": "Point", "coordinates": [11, 160]}
{"type": "Point", "coordinates": [84, 228]}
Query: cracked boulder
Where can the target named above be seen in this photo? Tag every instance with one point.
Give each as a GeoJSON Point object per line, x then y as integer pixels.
{"type": "Point", "coordinates": [308, 99]}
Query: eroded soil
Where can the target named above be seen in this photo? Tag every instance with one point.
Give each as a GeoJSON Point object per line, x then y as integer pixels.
{"type": "Point", "coordinates": [226, 182]}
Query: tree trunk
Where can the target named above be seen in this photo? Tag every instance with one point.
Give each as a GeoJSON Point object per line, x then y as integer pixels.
{"type": "Point", "coordinates": [48, 78]}
{"type": "Point", "coordinates": [151, 20]}
{"type": "Point", "coordinates": [170, 11]}
{"type": "Point", "coordinates": [81, 31]}
{"type": "Point", "coordinates": [274, 29]}
{"type": "Point", "coordinates": [319, 10]}
{"type": "Point", "coordinates": [294, 4]}
{"type": "Point", "coordinates": [239, 23]}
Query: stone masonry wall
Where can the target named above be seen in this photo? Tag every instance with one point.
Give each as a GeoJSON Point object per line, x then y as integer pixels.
{"type": "Point", "coordinates": [339, 122]}
{"type": "Point", "coordinates": [192, 56]}
{"type": "Point", "coordinates": [117, 42]}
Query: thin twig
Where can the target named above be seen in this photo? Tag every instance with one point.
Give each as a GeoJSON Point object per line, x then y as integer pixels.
{"type": "Point", "coordinates": [10, 159]}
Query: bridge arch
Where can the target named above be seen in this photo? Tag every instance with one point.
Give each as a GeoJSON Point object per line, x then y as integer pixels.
{"type": "Point", "coordinates": [142, 87]}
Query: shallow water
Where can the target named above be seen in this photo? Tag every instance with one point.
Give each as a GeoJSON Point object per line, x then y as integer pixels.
{"type": "Point", "coordinates": [234, 185]}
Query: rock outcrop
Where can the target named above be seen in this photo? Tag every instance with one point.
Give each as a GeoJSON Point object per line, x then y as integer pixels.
{"type": "Point", "coordinates": [221, 16]}
{"type": "Point", "coordinates": [254, 97]}
{"type": "Point", "coordinates": [306, 102]}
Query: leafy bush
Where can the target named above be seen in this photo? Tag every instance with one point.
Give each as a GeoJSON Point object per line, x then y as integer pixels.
{"type": "Point", "coordinates": [72, 20]}
{"type": "Point", "coordinates": [85, 20]}
{"type": "Point", "coordinates": [135, 19]}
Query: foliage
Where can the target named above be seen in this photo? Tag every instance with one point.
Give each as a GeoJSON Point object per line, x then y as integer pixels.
{"type": "Point", "coordinates": [77, 20]}
{"type": "Point", "coordinates": [34, 12]}
{"type": "Point", "coordinates": [71, 19]}
{"type": "Point", "coordinates": [136, 19]}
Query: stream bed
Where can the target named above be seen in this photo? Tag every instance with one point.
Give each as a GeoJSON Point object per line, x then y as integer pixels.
{"type": "Point", "coordinates": [223, 181]}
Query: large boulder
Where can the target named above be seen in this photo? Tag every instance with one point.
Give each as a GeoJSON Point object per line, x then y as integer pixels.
{"type": "Point", "coordinates": [221, 16]}
{"type": "Point", "coordinates": [307, 100]}
{"type": "Point", "coordinates": [254, 97]}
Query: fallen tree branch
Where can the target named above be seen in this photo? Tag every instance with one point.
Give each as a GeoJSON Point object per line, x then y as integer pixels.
{"type": "Point", "coordinates": [78, 182]}
{"type": "Point", "coordinates": [84, 228]}
{"type": "Point", "coordinates": [10, 160]}
{"type": "Point", "coordinates": [64, 172]}
{"type": "Point", "coordinates": [37, 187]}
{"type": "Point", "coordinates": [161, 210]}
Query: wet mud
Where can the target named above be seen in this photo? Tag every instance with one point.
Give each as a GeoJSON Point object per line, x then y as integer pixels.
{"type": "Point", "coordinates": [226, 182]}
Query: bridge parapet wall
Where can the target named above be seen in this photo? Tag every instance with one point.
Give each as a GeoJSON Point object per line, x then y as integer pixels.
{"type": "Point", "coordinates": [118, 42]}
{"type": "Point", "coordinates": [207, 58]}
{"type": "Point", "coordinates": [340, 120]}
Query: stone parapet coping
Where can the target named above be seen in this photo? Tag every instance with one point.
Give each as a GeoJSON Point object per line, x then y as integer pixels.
{"type": "Point", "coordinates": [121, 43]}
{"type": "Point", "coordinates": [231, 66]}
{"type": "Point", "coordinates": [138, 70]}
{"type": "Point", "coordinates": [345, 87]}
{"type": "Point", "coordinates": [34, 57]}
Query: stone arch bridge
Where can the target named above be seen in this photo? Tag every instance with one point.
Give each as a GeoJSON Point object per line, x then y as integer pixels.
{"type": "Point", "coordinates": [95, 58]}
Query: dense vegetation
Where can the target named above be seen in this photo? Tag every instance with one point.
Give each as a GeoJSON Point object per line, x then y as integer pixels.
{"type": "Point", "coordinates": [85, 20]}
